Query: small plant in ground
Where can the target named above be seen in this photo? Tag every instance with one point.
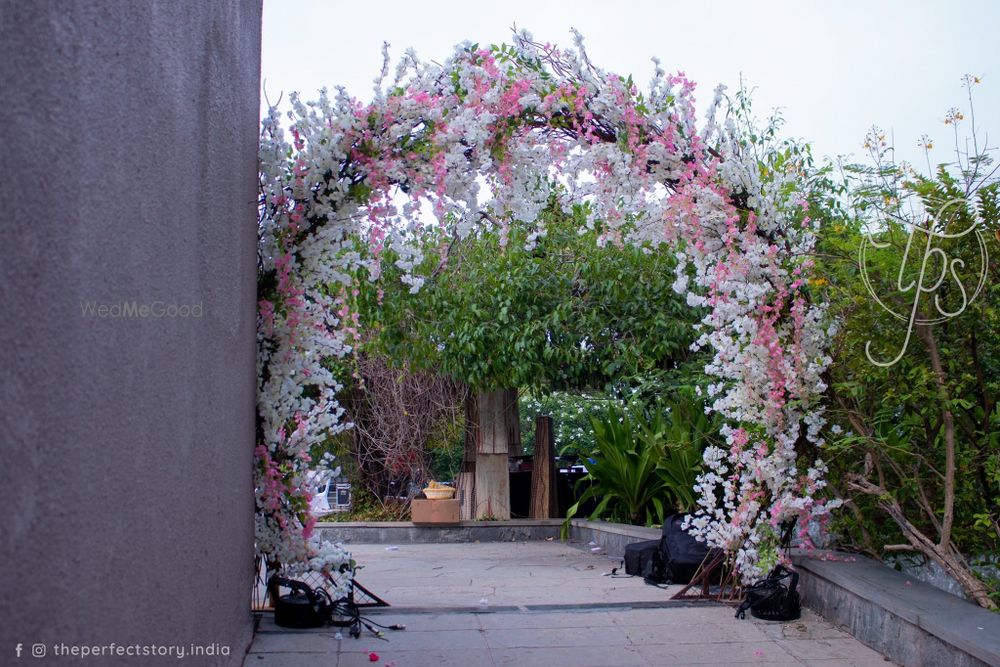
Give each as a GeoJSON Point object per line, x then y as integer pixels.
{"type": "Point", "coordinates": [682, 430]}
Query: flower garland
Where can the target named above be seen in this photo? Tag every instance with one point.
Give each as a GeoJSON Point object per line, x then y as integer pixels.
{"type": "Point", "coordinates": [532, 122]}
{"type": "Point", "coordinates": [770, 352]}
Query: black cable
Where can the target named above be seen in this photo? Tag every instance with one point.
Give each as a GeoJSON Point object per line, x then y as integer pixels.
{"type": "Point", "coordinates": [352, 612]}
{"type": "Point", "coordinates": [342, 613]}
{"type": "Point", "coordinates": [394, 626]}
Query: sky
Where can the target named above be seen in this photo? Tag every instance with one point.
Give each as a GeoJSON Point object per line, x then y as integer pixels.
{"type": "Point", "coordinates": [833, 68]}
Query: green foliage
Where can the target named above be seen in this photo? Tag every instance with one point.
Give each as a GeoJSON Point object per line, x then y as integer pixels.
{"type": "Point", "coordinates": [569, 314]}
{"type": "Point", "coordinates": [645, 462]}
{"type": "Point", "coordinates": [681, 432]}
{"type": "Point", "coordinates": [571, 414]}
{"type": "Point", "coordinates": [623, 473]}
{"type": "Point", "coordinates": [894, 419]}
{"type": "Point", "coordinates": [446, 449]}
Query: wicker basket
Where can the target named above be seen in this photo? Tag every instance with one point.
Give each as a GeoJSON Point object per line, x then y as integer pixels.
{"type": "Point", "coordinates": [439, 493]}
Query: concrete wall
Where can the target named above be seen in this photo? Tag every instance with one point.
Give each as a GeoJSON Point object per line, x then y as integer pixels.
{"type": "Point", "coordinates": [909, 621]}
{"type": "Point", "coordinates": [127, 174]}
{"type": "Point", "coordinates": [613, 537]}
{"type": "Point", "coordinates": [405, 532]}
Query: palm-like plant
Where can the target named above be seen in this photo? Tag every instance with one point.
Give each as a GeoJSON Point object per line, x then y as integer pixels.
{"type": "Point", "coordinates": [683, 431]}
{"type": "Point", "coordinates": [622, 474]}
{"type": "Point", "coordinates": [644, 469]}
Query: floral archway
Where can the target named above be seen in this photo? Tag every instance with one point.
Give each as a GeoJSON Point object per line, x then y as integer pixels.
{"type": "Point", "coordinates": [490, 136]}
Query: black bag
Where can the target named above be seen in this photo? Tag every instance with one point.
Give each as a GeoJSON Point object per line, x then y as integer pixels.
{"type": "Point", "coordinates": [681, 553]}
{"type": "Point", "coordinates": [642, 559]}
{"type": "Point", "coordinates": [773, 598]}
{"type": "Point", "coordinates": [304, 607]}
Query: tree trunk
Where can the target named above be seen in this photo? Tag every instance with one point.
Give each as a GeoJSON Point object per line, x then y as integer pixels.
{"type": "Point", "coordinates": [498, 427]}
{"type": "Point", "coordinates": [925, 333]}
{"type": "Point", "coordinates": [543, 472]}
{"type": "Point", "coordinates": [467, 475]}
{"type": "Point", "coordinates": [493, 431]}
{"type": "Point", "coordinates": [949, 559]}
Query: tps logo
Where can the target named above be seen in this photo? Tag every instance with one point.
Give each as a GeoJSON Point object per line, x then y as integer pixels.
{"type": "Point", "coordinates": [942, 269]}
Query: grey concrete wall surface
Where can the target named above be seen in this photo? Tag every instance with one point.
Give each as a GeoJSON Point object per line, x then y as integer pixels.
{"type": "Point", "coordinates": [405, 532]}
{"type": "Point", "coordinates": [909, 621]}
{"type": "Point", "coordinates": [613, 537]}
{"type": "Point", "coordinates": [127, 175]}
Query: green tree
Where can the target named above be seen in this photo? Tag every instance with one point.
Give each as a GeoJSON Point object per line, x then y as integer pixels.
{"type": "Point", "coordinates": [572, 313]}
{"type": "Point", "coordinates": [567, 313]}
{"type": "Point", "coordinates": [920, 451]}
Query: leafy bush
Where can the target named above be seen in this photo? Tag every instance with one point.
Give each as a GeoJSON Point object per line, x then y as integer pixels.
{"type": "Point", "coordinates": [645, 462]}
{"type": "Point", "coordinates": [682, 433]}
{"type": "Point", "coordinates": [914, 444]}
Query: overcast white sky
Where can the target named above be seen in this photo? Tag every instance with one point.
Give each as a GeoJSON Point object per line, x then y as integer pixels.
{"type": "Point", "coordinates": [835, 68]}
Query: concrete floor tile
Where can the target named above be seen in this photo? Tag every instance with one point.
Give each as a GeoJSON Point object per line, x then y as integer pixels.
{"type": "Point", "coordinates": [426, 622]}
{"type": "Point", "coordinates": [417, 641]}
{"type": "Point", "coordinates": [810, 626]}
{"type": "Point", "coordinates": [828, 649]}
{"type": "Point", "coordinates": [671, 615]}
{"type": "Point", "coordinates": [719, 653]}
{"type": "Point", "coordinates": [294, 642]}
{"type": "Point", "coordinates": [291, 660]}
{"type": "Point", "coordinates": [762, 661]}
{"type": "Point", "coordinates": [524, 625]}
{"type": "Point", "coordinates": [593, 656]}
{"type": "Point", "coordinates": [506, 573]}
{"type": "Point", "coordinates": [582, 638]}
{"type": "Point", "coordinates": [439, 658]}
{"type": "Point", "coordinates": [686, 633]}
{"type": "Point", "coordinates": [556, 619]}
{"type": "Point", "coordinates": [850, 662]}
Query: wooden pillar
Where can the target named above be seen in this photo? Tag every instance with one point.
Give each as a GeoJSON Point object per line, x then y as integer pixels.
{"type": "Point", "coordinates": [467, 475]}
{"type": "Point", "coordinates": [512, 418]}
{"type": "Point", "coordinates": [492, 487]}
{"type": "Point", "coordinates": [495, 434]}
{"type": "Point", "coordinates": [467, 495]}
{"type": "Point", "coordinates": [543, 471]}
{"type": "Point", "coordinates": [499, 431]}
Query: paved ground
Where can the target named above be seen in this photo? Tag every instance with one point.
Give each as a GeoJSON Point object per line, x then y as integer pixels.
{"type": "Point", "coordinates": [544, 603]}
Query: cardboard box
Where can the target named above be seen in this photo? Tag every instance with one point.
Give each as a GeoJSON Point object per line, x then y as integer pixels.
{"type": "Point", "coordinates": [435, 511]}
